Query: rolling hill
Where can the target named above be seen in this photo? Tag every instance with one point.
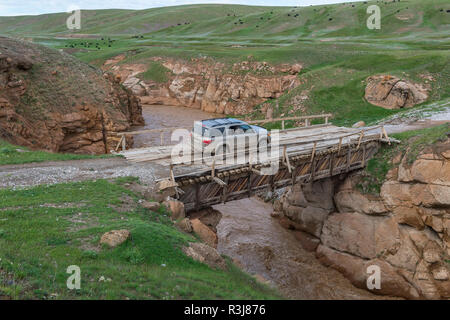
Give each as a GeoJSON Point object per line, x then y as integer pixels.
{"type": "Point", "coordinates": [332, 43]}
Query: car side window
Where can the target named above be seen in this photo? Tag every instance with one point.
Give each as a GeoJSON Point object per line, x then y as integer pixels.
{"type": "Point", "coordinates": [241, 129]}
{"type": "Point", "coordinates": [216, 132]}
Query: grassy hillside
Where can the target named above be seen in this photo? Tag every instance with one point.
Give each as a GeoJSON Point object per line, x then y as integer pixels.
{"type": "Point", "coordinates": [63, 226]}
{"type": "Point", "coordinates": [214, 20]}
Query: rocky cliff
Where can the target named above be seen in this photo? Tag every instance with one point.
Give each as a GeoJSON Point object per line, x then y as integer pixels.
{"type": "Point", "coordinates": [208, 85]}
{"type": "Point", "coordinates": [50, 100]}
{"type": "Point", "coordinates": [405, 230]}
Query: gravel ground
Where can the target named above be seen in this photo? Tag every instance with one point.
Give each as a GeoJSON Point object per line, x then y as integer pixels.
{"type": "Point", "coordinates": [32, 174]}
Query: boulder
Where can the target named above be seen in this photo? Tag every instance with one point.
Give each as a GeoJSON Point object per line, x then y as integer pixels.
{"type": "Point", "coordinates": [404, 253]}
{"type": "Point", "coordinates": [296, 197]}
{"type": "Point", "coordinates": [151, 205]}
{"type": "Point", "coordinates": [206, 234]}
{"type": "Point", "coordinates": [430, 195]}
{"type": "Point", "coordinates": [309, 219]}
{"type": "Point", "coordinates": [185, 225]}
{"type": "Point", "coordinates": [409, 216]}
{"type": "Point", "coordinates": [356, 270]}
{"type": "Point", "coordinates": [115, 238]}
{"type": "Point", "coordinates": [359, 124]}
{"type": "Point", "coordinates": [176, 208]}
{"type": "Point", "coordinates": [395, 193]}
{"type": "Point", "coordinates": [354, 201]}
{"type": "Point", "coordinates": [393, 93]}
{"type": "Point", "coordinates": [320, 194]}
{"type": "Point", "coordinates": [431, 171]}
{"type": "Point", "coordinates": [205, 254]}
{"type": "Point", "coordinates": [350, 232]}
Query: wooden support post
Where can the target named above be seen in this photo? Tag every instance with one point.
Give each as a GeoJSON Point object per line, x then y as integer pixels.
{"type": "Point", "coordinates": [225, 190]}
{"type": "Point", "coordinates": [313, 154]}
{"type": "Point", "coordinates": [349, 150]}
{"type": "Point", "coordinates": [294, 176]}
{"type": "Point", "coordinates": [282, 125]}
{"type": "Point", "coordinates": [331, 164]}
{"type": "Point", "coordinates": [250, 182]}
{"type": "Point", "coordinates": [120, 142]}
{"type": "Point", "coordinates": [272, 183]}
{"type": "Point", "coordinates": [213, 168]}
{"type": "Point", "coordinates": [360, 139]}
{"type": "Point", "coordinates": [306, 122]}
{"type": "Point", "coordinates": [364, 156]}
{"type": "Point", "coordinates": [326, 120]}
{"type": "Point", "coordinates": [197, 197]}
{"type": "Point", "coordinates": [124, 143]}
{"type": "Point", "coordinates": [340, 145]}
{"type": "Point", "coordinates": [313, 170]}
{"type": "Point", "coordinates": [386, 135]}
{"type": "Point", "coordinates": [172, 177]}
{"type": "Point", "coordinates": [286, 159]}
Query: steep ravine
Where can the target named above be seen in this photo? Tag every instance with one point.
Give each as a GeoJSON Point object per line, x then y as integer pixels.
{"type": "Point", "coordinates": [262, 247]}
{"type": "Point", "coordinates": [404, 230]}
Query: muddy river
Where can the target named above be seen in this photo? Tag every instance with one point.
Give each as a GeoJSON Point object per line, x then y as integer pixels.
{"type": "Point", "coordinates": [159, 117]}
{"type": "Point", "coordinates": [248, 234]}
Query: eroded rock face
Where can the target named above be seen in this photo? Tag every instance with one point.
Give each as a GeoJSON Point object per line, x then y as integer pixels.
{"type": "Point", "coordinates": [50, 100]}
{"type": "Point", "coordinates": [405, 230]}
{"type": "Point", "coordinates": [394, 93]}
{"type": "Point", "coordinates": [208, 85]}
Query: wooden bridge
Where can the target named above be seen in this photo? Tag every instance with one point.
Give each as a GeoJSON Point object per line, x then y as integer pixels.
{"type": "Point", "coordinates": [305, 154]}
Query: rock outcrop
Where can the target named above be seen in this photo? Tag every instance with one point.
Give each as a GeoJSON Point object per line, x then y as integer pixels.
{"type": "Point", "coordinates": [210, 86]}
{"type": "Point", "coordinates": [394, 93]}
{"type": "Point", "coordinates": [405, 230]}
{"type": "Point", "coordinates": [49, 100]}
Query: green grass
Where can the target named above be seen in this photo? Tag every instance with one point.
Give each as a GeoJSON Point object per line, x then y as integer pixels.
{"type": "Point", "coordinates": [11, 154]}
{"type": "Point", "coordinates": [155, 72]}
{"type": "Point", "coordinates": [412, 143]}
{"type": "Point", "coordinates": [45, 229]}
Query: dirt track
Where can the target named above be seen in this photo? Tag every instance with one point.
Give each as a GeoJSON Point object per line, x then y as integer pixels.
{"type": "Point", "coordinates": [25, 175]}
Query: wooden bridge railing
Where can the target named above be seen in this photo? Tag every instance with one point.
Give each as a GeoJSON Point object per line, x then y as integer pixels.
{"type": "Point", "coordinates": [283, 120]}
{"type": "Point", "coordinates": [123, 138]}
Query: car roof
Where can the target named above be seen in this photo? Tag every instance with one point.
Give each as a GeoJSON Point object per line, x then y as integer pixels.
{"type": "Point", "coordinates": [221, 122]}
